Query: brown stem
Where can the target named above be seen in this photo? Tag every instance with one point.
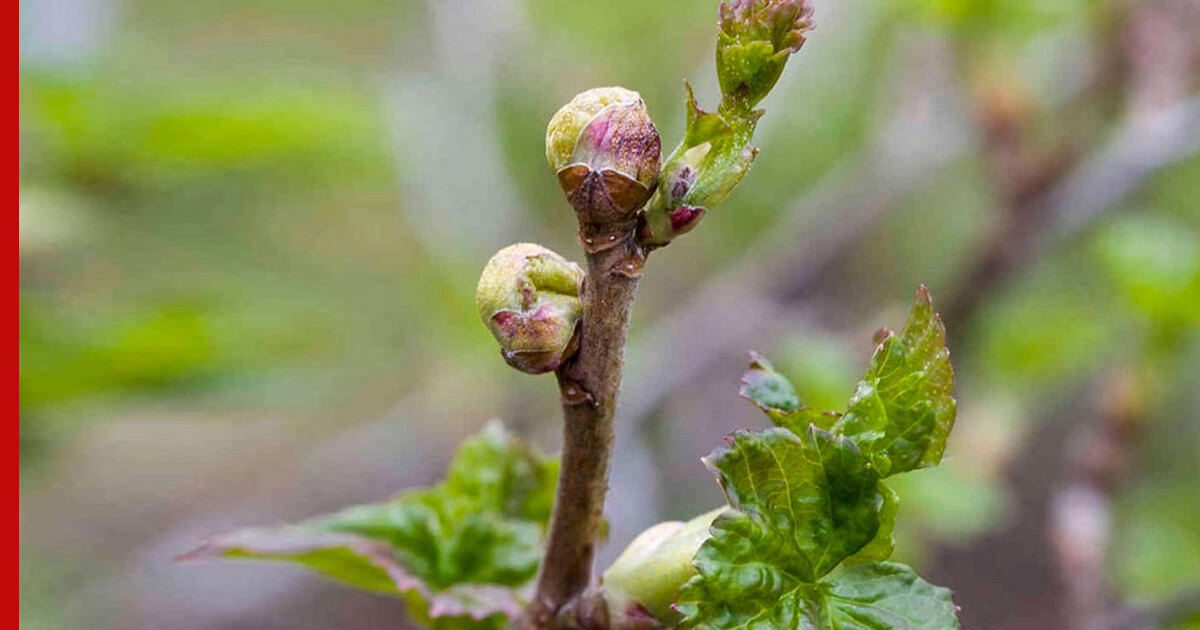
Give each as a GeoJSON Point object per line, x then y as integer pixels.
{"type": "Point", "coordinates": [589, 384]}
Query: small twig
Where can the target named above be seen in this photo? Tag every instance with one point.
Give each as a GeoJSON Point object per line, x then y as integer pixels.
{"type": "Point", "coordinates": [1142, 146]}
{"type": "Point", "coordinates": [588, 384]}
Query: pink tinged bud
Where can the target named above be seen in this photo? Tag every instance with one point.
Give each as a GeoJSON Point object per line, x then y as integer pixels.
{"type": "Point", "coordinates": [621, 138]}
{"type": "Point", "coordinates": [783, 23]}
{"type": "Point", "coordinates": [528, 297]}
{"type": "Point", "coordinates": [568, 122]}
{"type": "Point", "coordinates": [684, 218]}
{"type": "Point", "coordinates": [756, 37]}
{"type": "Point", "coordinates": [614, 157]}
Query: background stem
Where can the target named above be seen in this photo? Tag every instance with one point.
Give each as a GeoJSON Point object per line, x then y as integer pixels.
{"type": "Point", "coordinates": [589, 384]}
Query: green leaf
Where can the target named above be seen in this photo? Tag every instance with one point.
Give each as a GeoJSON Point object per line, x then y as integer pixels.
{"type": "Point", "coordinates": [461, 553]}
{"type": "Point", "coordinates": [769, 390]}
{"type": "Point", "coordinates": [818, 488]}
{"type": "Point", "coordinates": [879, 596]}
{"type": "Point", "coordinates": [495, 471]}
{"type": "Point", "coordinates": [353, 560]}
{"type": "Point", "coordinates": [880, 548]}
{"type": "Point", "coordinates": [800, 506]}
{"type": "Point", "coordinates": [772, 392]}
{"type": "Point", "coordinates": [902, 410]}
{"type": "Point", "coordinates": [702, 126]}
{"type": "Point", "coordinates": [883, 596]}
{"type": "Point", "coordinates": [806, 500]}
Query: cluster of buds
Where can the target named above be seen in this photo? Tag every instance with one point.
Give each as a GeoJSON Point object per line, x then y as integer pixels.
{"type": "Point", "coordinates": [755, 40]}
{"type": "Point", "coordinates": [528, 297]}
{"type": "Point", "coordinates": [606, 153]}
{"type": "Point", "coordinates": [754, 43]}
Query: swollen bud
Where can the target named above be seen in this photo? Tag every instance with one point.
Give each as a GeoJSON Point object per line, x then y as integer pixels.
{"type": "Point", "coordinates": [528, 297]}
{"type": "Point", "coordinates": [754, 43]}
{"type": "Point", "coordinates": [646, 578]}
{"type": "Point", "coordinates": [700, 174]}
{"type": "Point", "coordinates": [606, 153]}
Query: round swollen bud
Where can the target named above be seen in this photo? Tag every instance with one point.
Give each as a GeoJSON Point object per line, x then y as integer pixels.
{"type": "Point", "coordinates": [528, 297]}
{"type": "Point", "coordinates": [606, 153]}
{"type": "Point", "coordinates": [570, 119]}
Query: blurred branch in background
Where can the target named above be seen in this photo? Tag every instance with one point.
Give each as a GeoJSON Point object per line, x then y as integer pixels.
{"type": "Point", "coordinates": [1183, 607]}
{"type": "Point", "coordinates": [1044, 204]}
{"type": "Point", "coordinates": [1048, 195]}
{"type": "Point", "coordinates": [1080, 518]}
{"type": "Point", "coordinates": [1146, 142]}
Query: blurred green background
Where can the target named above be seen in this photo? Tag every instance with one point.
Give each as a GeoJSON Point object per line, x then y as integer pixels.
{"type": "Point", "coordinates": [250, 233]}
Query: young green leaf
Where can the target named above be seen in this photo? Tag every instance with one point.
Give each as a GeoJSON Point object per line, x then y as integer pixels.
{"type": "Point", "coordinates": [816, 490]}
{"type": "Point", "coordinates": [460, 553]}
{"type": "Point", "coordinates": [883, 596]}
{"type": "Point", "coordinates": [801, 506]}
{"type": "Point", "coordinates": [772, 392]}
{"type": "Point", "coordinates": [879, 596]}
{"type": "Point", "coordinates": [806, 500]}
{"type": "Point", "coordinates": [769, 390]}
{"type": "Point", "coordinates": [903, 410]}
{"type": "Point", "coordinates": [880, 548]}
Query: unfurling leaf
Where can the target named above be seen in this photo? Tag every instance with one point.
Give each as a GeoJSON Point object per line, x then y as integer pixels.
{"type": "Point", "coordinates": [810, 523]}
{"type": "Point", "coordinates": [883, 596]}
{"type": "Point", "coordinates": [774, 394]}
{"type": "Point", "coordinates": [801, 505]}
{"type": "Point", "coordinates": [754, 43]}
{"type": "Point", "coordinates": [461, 553]}
{"type": "Point", "coordinates": [903, 408]}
